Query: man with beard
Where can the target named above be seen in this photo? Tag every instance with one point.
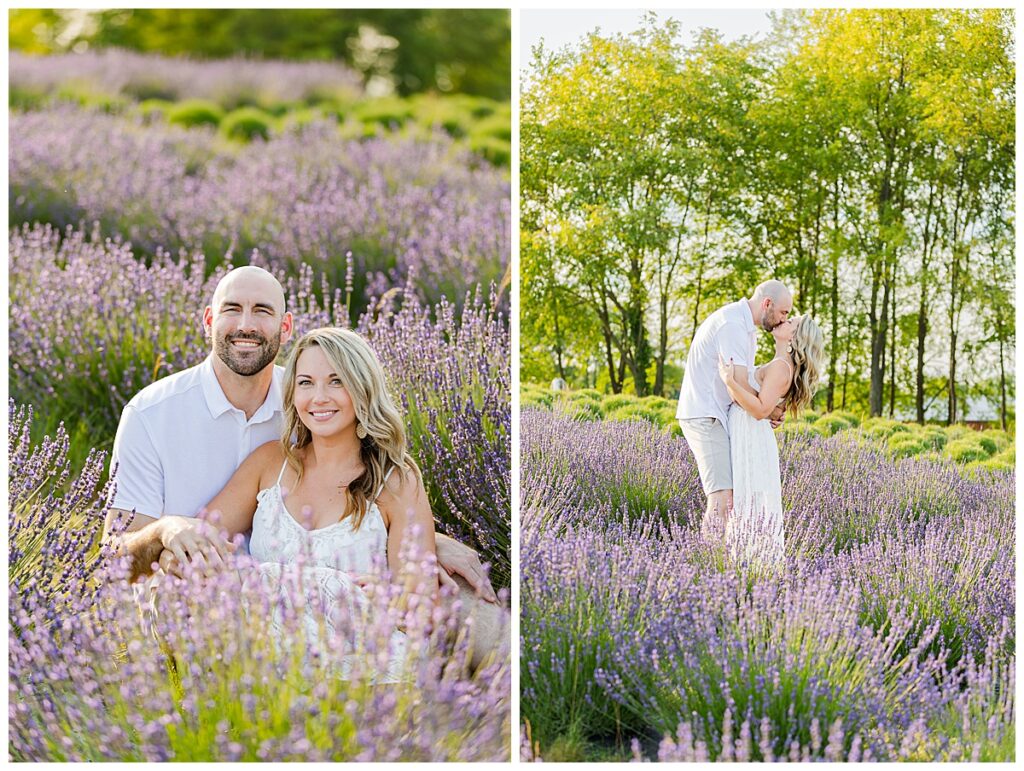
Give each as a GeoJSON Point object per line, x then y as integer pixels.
{"type": "Point", "coordinates": [181, 438]}
{"type": "Point", "coordinates": [728, 334]}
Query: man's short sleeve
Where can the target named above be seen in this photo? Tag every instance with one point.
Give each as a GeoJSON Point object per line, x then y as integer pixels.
{"type": "Point", "coordinates": [734, 343]}
{"type": "Point", "coordinates": [136, 466]}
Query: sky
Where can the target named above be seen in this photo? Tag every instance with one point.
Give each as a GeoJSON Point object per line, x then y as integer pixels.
{"type": "Point", "coordinates": [560, 27]}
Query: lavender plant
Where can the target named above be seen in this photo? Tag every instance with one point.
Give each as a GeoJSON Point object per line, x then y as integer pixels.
{"type": "Point", "coordinates": [419, 212]}
{"type": "Point", "coordinates": [231, 82]}
{"type": "Point", "coordinates": [188, 668]}
{"type": "Point", "coordinates": [887, 635]}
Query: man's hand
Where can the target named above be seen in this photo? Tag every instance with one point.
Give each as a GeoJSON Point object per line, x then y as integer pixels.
{"type": "Point", "coordinates": [455, 557]}
{"type": "Point", "coordinates": [193, 540]}
{"type": "Point", "coordinates": [777, 417]}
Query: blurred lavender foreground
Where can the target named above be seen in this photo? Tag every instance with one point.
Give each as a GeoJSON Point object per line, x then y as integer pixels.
{"type": "Point", "coordinates": [93, 679]}
{"type": "Point", "coordinates": [889, 635]}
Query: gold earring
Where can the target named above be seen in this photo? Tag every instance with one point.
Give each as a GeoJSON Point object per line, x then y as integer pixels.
{"type": "Point", "coordinates": [789, 348]}
{"type": "Point", "coordinates": [360, 430]}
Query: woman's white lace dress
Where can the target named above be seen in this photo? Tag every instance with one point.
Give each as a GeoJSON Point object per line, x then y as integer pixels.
{"type": "Point", "coordinates": [754, 533]}
{"type": "Point", "coordinates": [332, 598]}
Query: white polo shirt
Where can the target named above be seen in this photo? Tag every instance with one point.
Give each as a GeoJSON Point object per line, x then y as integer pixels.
{"type": "Point", "coordinates": [729, 331]}
{"type": "Point", "coordinates": [180, 440]}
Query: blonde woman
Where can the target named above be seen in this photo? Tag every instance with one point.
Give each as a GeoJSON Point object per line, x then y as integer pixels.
{"type": "Point", "coordinates": [340, 487]}
{"type": "Point", "coordinates": [754, 529]}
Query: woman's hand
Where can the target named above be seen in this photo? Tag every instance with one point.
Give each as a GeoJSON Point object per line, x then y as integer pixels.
{"type": "Point", "coordinates": [726, 370]}
{"type": "Point", "coordinates": [193, 540]}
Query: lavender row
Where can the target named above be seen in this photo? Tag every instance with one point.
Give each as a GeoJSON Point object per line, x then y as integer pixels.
{"type": "Point", "coordinates": [91, 325]}
{"type": "Point", "coordinates": [405, 210]}
{"type": "Point", "coordinates": [888, 635]}
{"type": "Point", "coordinates": [228, 81]}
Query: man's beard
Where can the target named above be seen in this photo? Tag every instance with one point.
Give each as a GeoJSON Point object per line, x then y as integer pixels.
{"type": "Point", "coordinates": [766, 322]}
{"type": "Point", "coordinates": [242, 363]}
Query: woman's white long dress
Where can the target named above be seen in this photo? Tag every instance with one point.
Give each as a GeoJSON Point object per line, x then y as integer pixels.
{"type": "Point", "coordinates": [754, 533]}
{"type": "Point", "coordinates": [336, 554]}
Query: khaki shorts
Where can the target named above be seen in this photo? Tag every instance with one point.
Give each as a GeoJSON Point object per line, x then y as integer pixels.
{"type": "Point", "coordinates": [710, 444]}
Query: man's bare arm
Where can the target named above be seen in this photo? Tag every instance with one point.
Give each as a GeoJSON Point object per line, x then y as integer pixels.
{"type": "Point", "coordinates": [140, 541]}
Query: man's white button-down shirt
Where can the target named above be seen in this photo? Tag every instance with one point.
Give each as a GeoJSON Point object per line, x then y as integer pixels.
{"type": "Point", "coordinates": [180, 440]}
{"type": "Point", "coordinates": [729, 331]}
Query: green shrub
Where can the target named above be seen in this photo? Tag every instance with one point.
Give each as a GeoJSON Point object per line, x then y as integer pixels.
{"type": "Point", "coordinates": [152, 109]}
{"type": "Point", "coordinates": [795, 427]}
{"type": "Point", "coordinates": [656, 402]}
{"type": "Point", "coordinates": [668, 417]}
{"type": "Point", "coordinates": [195, 112]}
{"type": "Point", "coordinates": [1000, 438]}
{"type": "Point", "coordinates": [246, 124]}
{"type": "Point", "coordinates": [389, 112]}
{"type": "Point", "coordinates": [966, 450]}
{"type": "Point", "coordinates": [584, 409]}
{"type": "Point", "coordinates": [988, 443]}
{"type": "Point", "coordinates": [498, 126]}
{"type": "Point", "coordinates": [446, 113]}
{"type": "Point", "coordinates": [612, 402]}
{"type": "Point", "coordinates": [477, 106]}
{"type": "Point", "coordinates": [934, 437]}
{"type": "Point", "coordinates": [26, 99]}
{"type": "Point", "coordinates": [850, 417]}
{"type": "Point", "coordinates": [536, 400]}
{"type": "Point", "coordinates": [883, 428]}
{"type": "Point", "coordinates": [830, 425]}
{"type": "Point", "coordinates": [302, 117]}
{"type": "Point", "coordinates": [634, 411]}
{"type": "Point", "coordinates": [957, 431]}
{"type": "Point", "coordinates": [496, 151]}
{"type": "Point", "coordinates": [809, 416]}
{"type": "Point", "coordinates": [585, 399]}
{"type": "Point", "coordinates": [905, 445]}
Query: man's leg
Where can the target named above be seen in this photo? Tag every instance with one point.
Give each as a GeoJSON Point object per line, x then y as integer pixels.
{"type": "Point", "coordinates": [716, 515]}
{"type": "Point", "coordinates": [709, 443]}
{"type": "Point", "coordinates": [488, 628]}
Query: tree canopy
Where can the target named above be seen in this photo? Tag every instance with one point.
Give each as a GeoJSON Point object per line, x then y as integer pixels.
{"type": "Point", "coordinates": [865, 157]}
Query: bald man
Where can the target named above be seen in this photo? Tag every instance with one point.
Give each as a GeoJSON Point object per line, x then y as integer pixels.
{"type": "Point", "coordinates": [181, 438]}
{"type": "Point", "coordinates": [729, 333]}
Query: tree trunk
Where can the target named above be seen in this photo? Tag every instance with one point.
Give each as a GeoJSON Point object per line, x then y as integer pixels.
{"type": "Point", "coordinates": [834, 297]}
{"type": "Point", "coordinates": [922, 306]}
{"type": "Point", "coordinates": [892, 350]}
{"type": "Point", "coordinates": [558, 337]}
{"type": "Point", "coordinates": [1002, 381]}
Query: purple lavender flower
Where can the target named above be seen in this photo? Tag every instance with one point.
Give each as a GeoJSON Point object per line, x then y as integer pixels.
{"type": "Point", "coordinates": [885, 636]}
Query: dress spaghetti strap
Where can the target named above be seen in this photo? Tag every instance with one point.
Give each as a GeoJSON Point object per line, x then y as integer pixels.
{"type": "Point", "coordinates": [787, 362]}
{"type": "Point", "coordinates": [281, 475]}
{"type": "Point", "coordinates": [379, 491]}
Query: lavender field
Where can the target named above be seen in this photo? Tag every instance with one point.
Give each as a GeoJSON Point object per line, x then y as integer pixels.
{"type": "Point", "coordinates": [889, 635]}
{"type": "Point", "coordinates": [120, 230]}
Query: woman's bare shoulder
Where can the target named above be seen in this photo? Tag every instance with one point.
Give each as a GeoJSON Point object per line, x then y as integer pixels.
{"type": "Point", "coordinates": [267, 458]}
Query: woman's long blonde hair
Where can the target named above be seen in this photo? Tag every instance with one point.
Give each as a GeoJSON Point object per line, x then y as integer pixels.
{"type": "Point", "coordinates": [384, 447]}
{"type": "Point", "coordinates": [808, 362]}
